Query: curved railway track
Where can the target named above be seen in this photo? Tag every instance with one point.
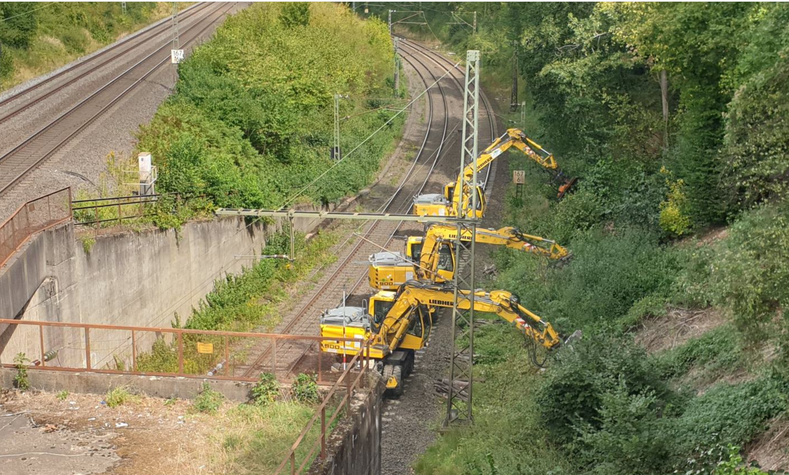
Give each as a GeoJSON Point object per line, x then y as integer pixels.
{"type": "Point", "coordinates": [382, 233]}
{"type": "Point", "coordinates": [92, 64]}
{"type": "Point", "coordinates": [26, 156]}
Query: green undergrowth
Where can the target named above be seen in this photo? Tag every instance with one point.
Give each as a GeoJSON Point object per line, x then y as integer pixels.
{"type": "Point", "coordinates": [645, 225]}
{"type": "Point", "coordinates": [37, 38]}
{"type": "Point", "coordinates": [257, 438]}
{"type": "Point", "coordinates": [242, 302]}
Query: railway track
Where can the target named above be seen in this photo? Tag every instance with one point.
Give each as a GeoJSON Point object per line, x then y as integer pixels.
{"type": "Point", "coordinates": [90, 65]}
{"type": "Point", "coordinates": [345, 275]}
{"type": "Point", "coordinates": [46, 141]}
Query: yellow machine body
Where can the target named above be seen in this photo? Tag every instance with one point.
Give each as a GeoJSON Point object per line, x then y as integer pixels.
{"type": "Point", "coordinates": [399, 323]}
{"type": "Point", "coordinates": [433, 258]}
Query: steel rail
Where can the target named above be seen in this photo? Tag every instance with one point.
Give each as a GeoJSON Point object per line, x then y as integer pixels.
{"type": "Point", "coordinates": [32, 160]}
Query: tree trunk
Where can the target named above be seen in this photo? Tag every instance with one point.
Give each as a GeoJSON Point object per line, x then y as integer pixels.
{"type": "Point", "coordinates": [664, 98]}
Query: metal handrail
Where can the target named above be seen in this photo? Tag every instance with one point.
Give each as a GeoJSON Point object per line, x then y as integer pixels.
{"type": "Point", "coordinates": [290, 458]}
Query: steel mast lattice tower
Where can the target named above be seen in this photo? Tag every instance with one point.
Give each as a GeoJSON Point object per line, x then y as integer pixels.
{"type": "Point", "coordinates": [459, 403]}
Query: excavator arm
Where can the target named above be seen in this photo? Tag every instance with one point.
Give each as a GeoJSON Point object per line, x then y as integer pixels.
{"type": "Point", "coordinates": [430, 257]}
{"type": "Point", "coordinates": [461, 192]}
{"type": "Point", "coordinates": [500, 302]}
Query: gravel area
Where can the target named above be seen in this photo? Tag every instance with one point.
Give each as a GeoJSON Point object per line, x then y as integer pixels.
{"type": "Point", "coordinates": [80, 163]}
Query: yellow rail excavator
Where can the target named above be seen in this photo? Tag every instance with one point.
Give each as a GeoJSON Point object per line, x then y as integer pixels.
{"type": "Point", "coordinates": [399, 323]}
{"type": "Point", "coordinates": [432, 257]}
{"type": "Point", "coordinates": [457, 197]}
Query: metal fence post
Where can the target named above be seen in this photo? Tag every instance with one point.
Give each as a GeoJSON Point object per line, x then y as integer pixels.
{"type": "Point", "coordinates": [41, 340]}
{"type": "Point", "coordinates": [180, 353]}
{"type": "Point", "coordinates": [274, 356]}
{"type": "Point", "coordinates": [134, 350]}
{"type": "Point", "coordinates": [323, 432]}
{"type": "Point", "coordinates": [87, 348]}
{"type": "Point", "coordinates": [227, 355]}
{"type": "Point", "coordinates": [320, 377]}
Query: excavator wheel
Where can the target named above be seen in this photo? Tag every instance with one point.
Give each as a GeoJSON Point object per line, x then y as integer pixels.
{"type": "Point", "coordinates": [396, 372]}
{"type": "Point", "coordinates": [408, 366]}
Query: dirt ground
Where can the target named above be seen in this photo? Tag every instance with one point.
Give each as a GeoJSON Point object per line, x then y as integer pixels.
{"type": "Point", "coordinates": [677, 327]}
{"type": "Point", "coordinates": [41, 434]}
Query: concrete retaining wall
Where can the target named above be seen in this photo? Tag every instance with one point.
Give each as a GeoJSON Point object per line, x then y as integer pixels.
{"type": "Point", "coordinates": [355, 444]}
{"type": "Point", "coordinates": [131, 278]}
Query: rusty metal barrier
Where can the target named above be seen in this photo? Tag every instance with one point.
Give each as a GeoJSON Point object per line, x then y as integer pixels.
{"type": "Point", "coordinates": [34, 216]}
{"type": "Point", "coordinates": [94, 211]}
{"type": "Point", "coordinates": [150, 351]}
{"type": "Point", "coordinates": [345, 381]}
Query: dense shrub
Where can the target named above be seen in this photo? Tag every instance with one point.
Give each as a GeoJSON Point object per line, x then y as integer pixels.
{"type": "Point", "coordinates": [208, 401]}
{"type": "Point", "coordinates": [305, 389]}
{"type": "Point", "coordinates": [251, 126]}
{"type": "Point", "coordinates": [266, 390]}
{"type": "Point", "coordinates": [589, 376]}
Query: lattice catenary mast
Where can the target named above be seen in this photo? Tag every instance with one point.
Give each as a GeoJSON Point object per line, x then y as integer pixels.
{"type": "Point", "coordinates": [459, 403]}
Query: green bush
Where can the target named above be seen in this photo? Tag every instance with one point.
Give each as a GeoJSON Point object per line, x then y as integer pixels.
{"type": "Point", "coordinates": [735, 466]}
{"type": "Point", "coordinates": [305, 389]}
{"type": "Point", "coordinates": [266, 390]}
{"type": "Point", "coordinates": [575, 389]}
{"type": "Point", "coordinates": [751, 270]}
{"type": "Point", "coordinates": [726, 414]}
{"type": "Point", "coordinates": [20, 378]}
{"type": "Point", "coordinates": [208, 401]}
{"type": "Point", "coordinates": [717, 350]}
{"type": "Point", "coordinates": [119, 396]}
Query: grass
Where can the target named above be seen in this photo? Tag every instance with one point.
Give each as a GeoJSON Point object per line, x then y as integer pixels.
{"type": "Point", "coordinates": [256, 439]}
{"type": "Point", "coordinates": [120, 396]}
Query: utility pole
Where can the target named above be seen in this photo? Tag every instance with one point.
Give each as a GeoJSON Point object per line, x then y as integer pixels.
{"type": "Point", "coordinates": [523, 115]}
{"type": "Point", "coordinates": [335, 151]}
{"type": "Point", "coordinates": [459, 403]}
{"type": "Point", "coordinates": [475, 22]}
{"type": "Point", "coordinates": [123, 8]}
{"type": "Point", "coordinates": [395, 41]}
{"type": "Point", "coordinates": [514, 95]}
{"type": "Point", "coordinates": [390, 21]}
{"type": "Point", "coordinates": [176, 53]}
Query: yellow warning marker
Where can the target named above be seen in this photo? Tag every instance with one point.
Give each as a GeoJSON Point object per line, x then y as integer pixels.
{"type": "Point", "coordinates": [205, 348]}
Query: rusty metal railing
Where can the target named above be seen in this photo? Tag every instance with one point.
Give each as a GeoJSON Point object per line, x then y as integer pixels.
{"type": "Point", "coordinates": [95, 211]}
{"type": "Point", "coordinates": [345, 381]}
{"type": "Point", "coordinates": [150, 351]}
{"type": "Point", "coordinates": [34, 216]}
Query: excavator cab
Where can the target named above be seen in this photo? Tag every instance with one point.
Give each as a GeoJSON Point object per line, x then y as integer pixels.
{"type": "Point", "coordinates": [413, 248]}
{"type": "Point", "coordinates": [449, 190]}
